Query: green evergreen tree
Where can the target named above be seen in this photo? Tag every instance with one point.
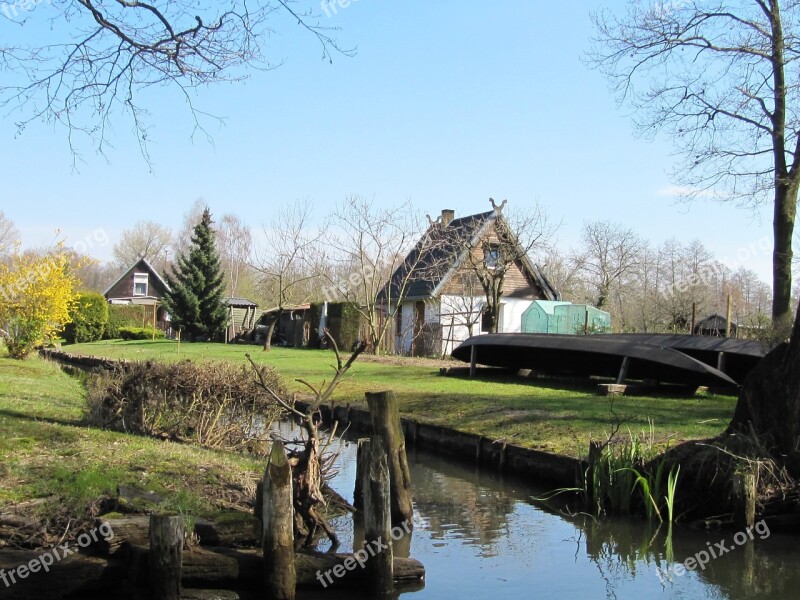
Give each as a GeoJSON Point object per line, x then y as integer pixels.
{"type": "Point", "coordinates": [195, 300]}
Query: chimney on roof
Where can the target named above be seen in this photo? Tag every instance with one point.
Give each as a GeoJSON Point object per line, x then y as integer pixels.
{"type": "Point", "coordinates": [447, 216]}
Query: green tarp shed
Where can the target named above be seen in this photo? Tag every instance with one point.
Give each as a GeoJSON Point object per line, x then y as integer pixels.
{"type": "Point", "coordinates": [546, 316]}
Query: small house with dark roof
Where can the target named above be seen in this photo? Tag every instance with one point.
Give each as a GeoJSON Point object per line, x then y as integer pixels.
{"type": "Point", "coordinates": [715, 326]}
{"type": "Point", "coordinates": [142, 285]}
{"type": "Point", "coordinates": [435, 296]}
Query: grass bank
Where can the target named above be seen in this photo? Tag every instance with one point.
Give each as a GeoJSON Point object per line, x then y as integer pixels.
{"type": "Point", "coordinates": [545, 415]}
{"type": "Point", "coordinates": [57, 473]}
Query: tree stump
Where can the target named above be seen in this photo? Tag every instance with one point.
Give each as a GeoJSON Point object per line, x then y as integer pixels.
{"type": "Point", "coordinates": [378, 518]}
{"type": "Point", "coordinates": [278, 526]}
{"type": "Point", "coordinates": [166, 556]}
{"type": "Point", "coordinates": [386, 423]}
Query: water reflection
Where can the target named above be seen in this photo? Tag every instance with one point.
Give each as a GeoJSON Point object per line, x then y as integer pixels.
{"type": "Point", "coordinates": [480, 536]}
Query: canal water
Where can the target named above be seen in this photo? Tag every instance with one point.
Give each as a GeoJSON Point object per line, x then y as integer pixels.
{"type": "Point", "coordinates": [481, 536]}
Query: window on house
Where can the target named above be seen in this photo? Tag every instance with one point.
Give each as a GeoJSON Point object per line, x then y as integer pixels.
{"type": "Point", "coordinates": [140, 284]}
{"type": "Point", "coordinates": [491, 256]}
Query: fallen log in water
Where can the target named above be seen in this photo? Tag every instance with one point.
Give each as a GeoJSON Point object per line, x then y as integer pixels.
{"type": "Point", "coordinates": [243, 569]}
{"type": "Point", "coordinates": [81, 576]}
{"type": "Point", "coordinates": [75, 575]}
{"type": "Point", "coordinates": [134, 530]}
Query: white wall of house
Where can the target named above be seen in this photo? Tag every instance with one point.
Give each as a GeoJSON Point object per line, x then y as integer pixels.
{"type": "Point", "coordinates": [511, 314]}
{"type": "Point", "coordinates": [455, 315]}
{"type": "Point", "coordinates": [405, 335]}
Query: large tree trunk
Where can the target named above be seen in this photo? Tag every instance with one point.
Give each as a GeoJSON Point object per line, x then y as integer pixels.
{"type": "Point", "coordinates": [769, 402]}
{"type": "Point", "coordinates": [271, 330]}
{"type": "Point", "coordinates": [783, 230]}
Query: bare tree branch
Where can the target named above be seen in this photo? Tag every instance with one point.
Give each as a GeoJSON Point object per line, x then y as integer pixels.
{"type": "Point", "coordinates": [106, 53]}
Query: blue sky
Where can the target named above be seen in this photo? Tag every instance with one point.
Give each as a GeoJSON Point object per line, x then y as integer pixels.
{"type": "Point", "coordinates": [445, 103]}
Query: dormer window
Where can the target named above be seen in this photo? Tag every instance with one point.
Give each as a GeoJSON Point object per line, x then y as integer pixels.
{"type": "Point", "coordinates": [140, 284]}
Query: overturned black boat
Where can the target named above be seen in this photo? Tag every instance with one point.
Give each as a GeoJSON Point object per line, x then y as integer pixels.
{"type": "Point", "coordinates": [688, 360]}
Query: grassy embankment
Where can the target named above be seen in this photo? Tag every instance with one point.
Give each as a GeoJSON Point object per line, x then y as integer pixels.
{"type": "Point", "coordinates": [46, 452]}
{"type": "Point", "coordinates": [551, 416]}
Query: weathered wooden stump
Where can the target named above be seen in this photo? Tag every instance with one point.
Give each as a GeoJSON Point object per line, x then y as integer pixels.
{"type": "Point", "coordinates": [166, 556]}
{"type": "Point", "coordinates": [386, 423]}
{"type": "Point", "coordinates": [277, 517]}
{"type": "Point", "coordinates": [378, 518]}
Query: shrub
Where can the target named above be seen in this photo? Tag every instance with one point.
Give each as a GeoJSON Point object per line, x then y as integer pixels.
{"type": "Point", "coordinates": [140, 333]}
{"type": "Point", "coordinates": [123, 315]}
{"type": "Point", "coordinates": [89, 317]}
{"type": "Point", "coordinates": [36, 295]}
{"type": "Point", "coordinates": [213, 404]}
{"type": "Point", "coordinates": [344, 324]}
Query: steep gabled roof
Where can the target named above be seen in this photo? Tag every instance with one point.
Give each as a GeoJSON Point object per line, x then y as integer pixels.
{"type": "Point", "coordinates": [440, 252]}
{"type": "Point", "coordinates": [142, 265]}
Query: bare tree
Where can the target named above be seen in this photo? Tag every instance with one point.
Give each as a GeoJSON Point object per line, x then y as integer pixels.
{"type": "Point", "coordinates": [283, 262]}
{"type": "Point", "coordinates": [9, 236]}
{"type": "Point", "coordinates": [310, 463]}
{"type": "Point", "coordinates": [367, 245]}
{"type": "Point", "coordinates": [101, 56]}
{"type": "Point", "coordinates": [565, 272]}
{"type": "Point", "coordinates": [146, 239]}
{"type": "Point", "coordinates": [509, 245]}
{"type": "Point", "coordinates": [235, 245]}
{"type": "Point", "coordinates": [611, 253]}
{"type": "Point", "coordinates": [722, 79]}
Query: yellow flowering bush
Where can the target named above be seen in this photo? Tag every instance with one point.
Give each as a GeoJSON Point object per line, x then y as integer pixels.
{"type": "Point", "coordinates": [37, 292]}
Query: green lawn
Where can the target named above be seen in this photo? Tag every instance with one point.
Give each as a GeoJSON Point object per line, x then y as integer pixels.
{"type": "Point", "coordinates": [552, 416]}
{"type": "Point", "coordinates": [47, 453]}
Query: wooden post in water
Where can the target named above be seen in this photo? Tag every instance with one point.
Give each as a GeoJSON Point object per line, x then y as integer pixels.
{"type": "Point", "coordinates": [386, 423]}
{"type": "Point", "coordinates": [361, 465]}
{"type": "Point", "coordinates": [166, 556]}
{"type": "Point", "coordinates": [277, 517]}
{"type": "Point", "coordinates": [378, 518]}
{"type": "Point", "coordinates": [595, 453]}
{"type": "Point", "coordinates": [746, 496]}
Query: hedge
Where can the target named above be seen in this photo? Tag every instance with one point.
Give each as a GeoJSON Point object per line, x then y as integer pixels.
{"type": "Point", "coordinates": [123, 315]}
{"type": "Point", "coordinates": [344, 324]}
{"type": "Point", "coordinates": [89, 319]}
{"type": "Point", "coordinates": [140, 333]}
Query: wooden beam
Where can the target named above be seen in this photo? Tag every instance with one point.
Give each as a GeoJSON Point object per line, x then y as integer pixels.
{"type": "Point", "coordinates": [623, 370]}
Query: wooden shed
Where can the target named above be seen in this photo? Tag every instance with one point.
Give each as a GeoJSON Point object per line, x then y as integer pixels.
{"type": "Point", "coordinates": [714, 325]}
{"type": "Point", "coordinates": [241, 318]}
